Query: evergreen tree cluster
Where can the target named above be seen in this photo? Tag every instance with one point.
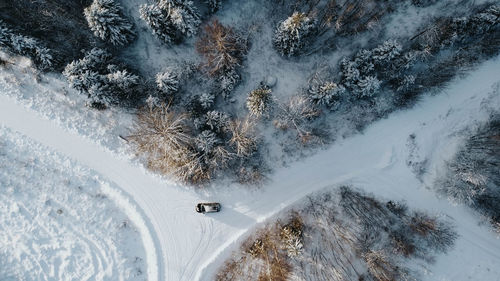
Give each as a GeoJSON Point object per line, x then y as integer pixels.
{"type": "Point", "coordinates": [27, 46]}
{"type": "Point", "coordinates": [360, 75]}
{"type": "Point", "coordinates": [105, 18]}
{"type": "Point", "coordinates": [292, 34]}
{"type": "Point", "coordinates": [171, 20]}
{"type": "Point", "coordinates": [103, 82]}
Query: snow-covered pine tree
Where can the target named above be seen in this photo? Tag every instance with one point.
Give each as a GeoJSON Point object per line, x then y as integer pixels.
{"type": "Point", "coordinates": [122, 80]}
{"type": "Point", "coordinates": [227, 81]}
{"type": "Point", "coordinates": [406, 82]}
{"type": "Point", "coordinates": [259, 101]}
{"type": "Point", "coordinates": [168, 81]}
{"type": "Point", "coordinates": [103, 83]}
{"type": "Point", "coordinates": [170, 20]}
{"type": "Point", "coordinates": [159, 22]}
{"type": "Point", "coordinates": [183, 15]}
{"type": "Point", "coordinates": [206, 100]}
{"type": "Point", "coordinates": [206, 141]}
{"type": "Point", "coordinates": [26, 46]}
{"type": "Point", "coordinates": [213, 5]}
{"type": "Point", "coordinates": [327, 94]}
{"type": "Point", "coordinates": [216, 120]}
{"type": "Point", "coordinates": [291, 35]}
{"type": "Point", "coordinates": [105, 18]}
{"type": "Point", "coordinates": [386, 52]}
{"type": "Point", "coordinates": [367, 86]}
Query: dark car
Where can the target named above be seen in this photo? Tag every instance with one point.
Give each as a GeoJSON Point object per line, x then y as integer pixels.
{"type": "Point", "coordinates": [207, 207]}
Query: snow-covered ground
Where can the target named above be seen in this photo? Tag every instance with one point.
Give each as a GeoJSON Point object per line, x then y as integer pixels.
{"type": "Point", "coordinates": [59, 221]}
{"type": "Point", "coordinates": [191, 246]}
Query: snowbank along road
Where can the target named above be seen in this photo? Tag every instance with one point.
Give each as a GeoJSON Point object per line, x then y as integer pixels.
{"type": "Point", "coordinates": [182, 245]}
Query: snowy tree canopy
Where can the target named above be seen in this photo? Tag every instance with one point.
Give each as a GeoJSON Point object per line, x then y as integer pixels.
{"type": "Point", "coordinates": [291, 35]}
{"type": "Point", "coordinates": [206, 141]}
{"type": "Point", "coordinates": [206, 100]}
{"type": "Point", "coordinates": [216, 120]}
{"type": "Point", "coordinates": [26, 46]}
{"type": "Point", "coordinates": [327, 94]}
{"type": "Point", "coordinates": [102, 82]}
{"type": "Point", "coordinates": [168, 81]}
{"type": "Point", "coordinates": [258, 101]}
{"type": "Point", "coordinates": [106, 20]}
{"type": "Point", "coordinates": [171, 20]}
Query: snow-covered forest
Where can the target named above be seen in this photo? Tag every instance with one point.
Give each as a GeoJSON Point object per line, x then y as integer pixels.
{"type": "Point", "coordinates": [158, 102]}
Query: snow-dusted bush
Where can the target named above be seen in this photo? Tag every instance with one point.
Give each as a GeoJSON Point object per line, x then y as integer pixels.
{"type": "Point", "coordinates": [106, 20]}
{"type": "Point", "coordinates": [171, 20]}
{"type": "Point", "coordinates": [327, 94]}
{"type": "Point", "coordinates": [292, 34]}
{"type": "Point", "coordinates": [27, 46]}
{"type": "Point", "coordinates": [101, 81]}
{"type": "Point", "coordinates": [259, 101]}
{"type": "Point", "coordinates": [168, 81]}
{"type": "Point", "coordinates": [222, 48]}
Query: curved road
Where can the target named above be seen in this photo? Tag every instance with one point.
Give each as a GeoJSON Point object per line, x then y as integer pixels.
{"type": "Point", "coordinates": [186, 246]}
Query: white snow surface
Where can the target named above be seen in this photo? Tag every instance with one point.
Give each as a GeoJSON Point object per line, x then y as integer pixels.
{"type": "Point", "coordinates": [184, 245]}
{"type": "Point", "coordinates": [59, 221]}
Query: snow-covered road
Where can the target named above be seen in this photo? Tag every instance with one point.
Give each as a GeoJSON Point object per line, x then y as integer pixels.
{"type": "Point", "coordinates": [185, 246]}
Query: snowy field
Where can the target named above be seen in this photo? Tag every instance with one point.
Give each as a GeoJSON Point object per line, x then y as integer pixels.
{"type": "Point", "coordinates": [58, 221]}
{"type": "Point", "coordinates": [192, 246]}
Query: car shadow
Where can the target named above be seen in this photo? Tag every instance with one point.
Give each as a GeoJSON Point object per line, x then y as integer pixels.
{"type": "Point", "coordinates": [232, 217]}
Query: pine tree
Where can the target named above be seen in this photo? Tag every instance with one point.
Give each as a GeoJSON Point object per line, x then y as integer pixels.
{"type": "Point", "coordinates": [171, 20]}
{"type": "Point", "coordinates": [386, 52]}
{"type": "Point", "coordinates": [168, 81]}
{"type": "Point", "coordinates": [367, 86]}
{"type": "Point", "coordinates": [159, 22]}
{"type": "Point", "coordinates": [291, 35]}
{"type": "Point", "coordinates": [206, 141]}
{"type": "Point", "coordinates": [106, 20]}
{"type": "Point", "coordinates": [122, 81]}
{"type": "Point", "coordinates": [216, 120]}
{"type": "Point", "coordinates": [101, 82]}
{"type": "Point", "coordinates": [327, 94]}
{"type": "Point", "coordinates": [183, 16]}
{"type": "Point", "coordinates": [259, 101]}
{"type": "Point", "coordinates": [26, 46]}
{"type": "Point", "coordinates": [206, 100]}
